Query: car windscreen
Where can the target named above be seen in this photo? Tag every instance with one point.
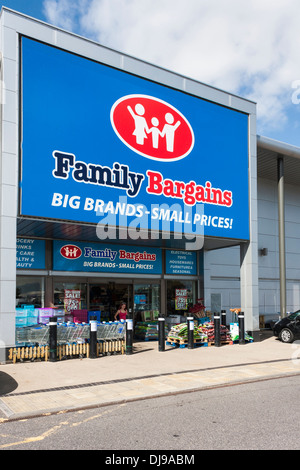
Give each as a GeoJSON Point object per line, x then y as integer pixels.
{"type": "Point", "coordinates": [294, 315]}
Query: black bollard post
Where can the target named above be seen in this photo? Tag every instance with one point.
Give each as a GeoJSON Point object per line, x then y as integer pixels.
{"type": "Point", "coordinates": [217, 330]}
{"type": "Point", "coordinates": [161, 333]}
{"type": "Point", "coordinates": [241, 328]}
{"type": "Point", "coordinates": [129, 335]}
{"type": "Point", "coordinates": [190, 326]}
{"type": "Point", "coordinates": [53, 339]}
{"type": "Point", "coordinates": [223, 317]}
{"type": "Point", "coordinates": [93, 337]}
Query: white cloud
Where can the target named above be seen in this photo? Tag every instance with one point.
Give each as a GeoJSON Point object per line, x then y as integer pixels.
{"type": "Point", "coordinates": [247, 48]}
{"type": "Point", "coordinates": [64, 13]}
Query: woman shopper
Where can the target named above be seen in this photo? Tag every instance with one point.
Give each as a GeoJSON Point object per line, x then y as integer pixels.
{"type": "Point", "coordinates": [121, 313]}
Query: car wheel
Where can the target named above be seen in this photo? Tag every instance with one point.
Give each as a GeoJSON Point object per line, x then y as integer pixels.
{"type": "Point", "coordinates": [286, 336]}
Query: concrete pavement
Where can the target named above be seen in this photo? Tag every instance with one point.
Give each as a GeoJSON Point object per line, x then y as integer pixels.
{"type": "Point", "coordinates": [35, 388]}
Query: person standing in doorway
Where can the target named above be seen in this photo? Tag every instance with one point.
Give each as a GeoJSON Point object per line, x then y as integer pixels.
{"type": "Point", "coordinates": [121, 313]}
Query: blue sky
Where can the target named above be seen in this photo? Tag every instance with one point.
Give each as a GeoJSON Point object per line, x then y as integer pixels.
{"type": "Point", "coordinates": [247, 48]}
{"type": "Point", "coordinates": [29, 7]}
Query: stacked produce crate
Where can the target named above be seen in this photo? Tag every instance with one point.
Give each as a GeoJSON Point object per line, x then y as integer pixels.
{"type": "Point", "coordinates": [208, 330]}
{"type": "Point", "coordinates": [204, 334]}
{"type": "Point", "coordinates": [26, 316]}
{"type": "Point", "coordinates": [178, 335]}
{"type": "Point", "coordinates": [45, 315]}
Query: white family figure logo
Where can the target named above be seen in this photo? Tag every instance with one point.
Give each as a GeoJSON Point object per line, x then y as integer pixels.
{"type": "Point", "coordinates": [140, 122]}
{"type": "Point", "coordinates": [152, 127]}
{"type": "Point", "coordinates": [71, 253]}
{"type": "Point", "coordinates": [141, 128]}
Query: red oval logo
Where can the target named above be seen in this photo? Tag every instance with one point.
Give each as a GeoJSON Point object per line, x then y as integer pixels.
{"type": "Point", "coordinates": [152, 128]}
{"type": "Point", "coordinates": [70, 251]}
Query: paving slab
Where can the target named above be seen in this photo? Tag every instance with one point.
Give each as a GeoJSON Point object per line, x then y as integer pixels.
{"type": "Point", "coordinates": [35, 388]}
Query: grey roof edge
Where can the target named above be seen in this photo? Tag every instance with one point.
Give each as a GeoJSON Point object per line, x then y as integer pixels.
{"type": "Point", "coordinates": [185, 77]}
{"type": "Point", "coordinates": [280, 148]}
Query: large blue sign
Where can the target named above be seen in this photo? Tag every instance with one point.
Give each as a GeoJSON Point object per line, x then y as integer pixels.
{"type": "Point", "coordinates": [103, 146]}
{"type": "Point", "coordinates": [101, 257]}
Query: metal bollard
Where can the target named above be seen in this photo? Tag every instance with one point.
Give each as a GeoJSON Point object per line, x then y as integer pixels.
{"type": "Point", "coordinates": [93, 337]}
{"type": "Point", "coordinates": [129, 335]}
{"type": "Point", "coordinates": [161, 333]}
{"type": "Point", "coordinates": [190, 325]}
{"type": "Point", "coordinates": [223, 317]}
{"type": "Point", "coordinates": [241, 328]}
{"type": "Point", "coordinates": [217, 330]}
{"type": "Point", "coordinates": [53, 339]}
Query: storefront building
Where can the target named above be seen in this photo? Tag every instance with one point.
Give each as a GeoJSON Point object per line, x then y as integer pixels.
{"type": "Point", "coordinates": [70, 287]}
{"type": "Point", "coordinates": [118, 179]}
{"type": "Point", "coordinates": [278, 223]}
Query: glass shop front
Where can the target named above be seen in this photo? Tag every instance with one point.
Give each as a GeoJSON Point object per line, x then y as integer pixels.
{"type": "Point", "coordinates": [96, 277]}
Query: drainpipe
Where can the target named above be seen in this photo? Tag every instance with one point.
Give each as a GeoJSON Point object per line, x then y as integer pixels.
{"type": "Point", "coordinates": [281, 233]}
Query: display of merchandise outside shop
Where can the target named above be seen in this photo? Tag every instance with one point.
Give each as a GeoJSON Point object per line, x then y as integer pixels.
{"type": "Point", "coordinates": [148, 331]}
{"type": "Point", "coordinates": [31, 327]}
{"type": "Point", "coordinates": [73, 338]}
{"type": "Point", "coordinates": [204, 332]}
{"type": "Point", "coordinates": [198, 309]}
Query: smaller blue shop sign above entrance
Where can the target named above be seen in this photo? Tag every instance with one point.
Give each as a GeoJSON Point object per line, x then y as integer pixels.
{"type": "Point", "coordinates": [181, 262]}
{"type": "Point", "coordinates": [101, 257]}
{"type": "Point", "coordinates": [30, 254]}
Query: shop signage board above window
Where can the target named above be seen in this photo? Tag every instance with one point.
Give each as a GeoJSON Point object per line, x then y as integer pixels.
{"type": "Point", "coordinates": [100, 145]}
{"type": "Point", "coordinates": [181, 262]}
{"type": "Point", "coordinates": [101, 257]}
{"type": "Point", "coordinates": [30, 253]}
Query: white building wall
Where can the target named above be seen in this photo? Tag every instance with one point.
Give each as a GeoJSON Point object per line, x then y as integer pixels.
{"type": "Point", "coordinates": [268, 238]}
{"type": "Point", "coordinates": [293, 247]}
{"type": "Point", "coordinates": [8, 185]}
{"type": "Point", "coordinates": [268, 271]}
{"type": "Point", "coordinates": [222, 276]}
{"type": "Point", "coordinates": [222, 267]}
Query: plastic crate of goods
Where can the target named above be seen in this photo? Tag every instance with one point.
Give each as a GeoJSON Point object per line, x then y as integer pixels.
{"type": "Point", "coordinates": [45, 313]}
{"type": "Point", "coordinates": [80, 316]}
{"type": "Point", "coordinates": [21, 321]}
{"type": "Point", "coordinates": [32, 320]}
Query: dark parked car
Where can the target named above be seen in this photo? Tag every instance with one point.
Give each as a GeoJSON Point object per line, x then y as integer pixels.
{"type": "Point", "coordinates": [288, 329]}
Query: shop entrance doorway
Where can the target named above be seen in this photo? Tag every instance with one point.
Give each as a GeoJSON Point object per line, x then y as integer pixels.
{"type": "Point", "coordinates": [107, 297]}
{"type": "Point", "coordinates": [142, 299]}
{"type": "Point", "coordinates": [146, 302]}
